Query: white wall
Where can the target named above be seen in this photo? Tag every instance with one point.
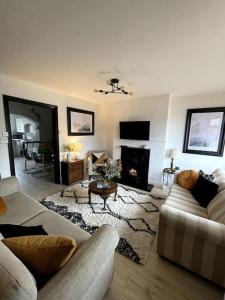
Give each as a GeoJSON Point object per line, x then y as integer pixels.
{"type": "Point", "coordinates": [176, 128]}
{"type": "Point", "coordinates": [167, 116]}
{"type": "Point", "coordinates": [153, 109]}
{"type": "Point", "coordinates": [9, 86]}
{"type": "Point", "coordinates": [107, 116]}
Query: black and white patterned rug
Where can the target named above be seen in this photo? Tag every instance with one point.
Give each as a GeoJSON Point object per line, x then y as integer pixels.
{"type": "Point", "coordinates": [134, 215]}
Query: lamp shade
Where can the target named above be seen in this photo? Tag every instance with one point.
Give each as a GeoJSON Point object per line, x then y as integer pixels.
{"type": "Point", "coordinates": [78, 147]}
{"type": "Point", "coordinates": [173, 153]}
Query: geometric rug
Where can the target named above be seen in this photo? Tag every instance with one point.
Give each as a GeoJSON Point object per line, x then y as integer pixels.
{"type": "Point", "coordinates": [135, 216]}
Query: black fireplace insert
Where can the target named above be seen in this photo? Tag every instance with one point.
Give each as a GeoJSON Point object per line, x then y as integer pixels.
{"type": "Point", "coordinates": [135, 167]}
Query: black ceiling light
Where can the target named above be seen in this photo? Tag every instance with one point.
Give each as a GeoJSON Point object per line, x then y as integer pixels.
{"type": "Point", "coordinates": [115, 88]}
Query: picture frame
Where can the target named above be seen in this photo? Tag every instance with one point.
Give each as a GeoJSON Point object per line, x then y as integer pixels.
{"type": "Point", "coordinates": [80, 122]}
{"type": "Point", "coordinates": [205, 131]}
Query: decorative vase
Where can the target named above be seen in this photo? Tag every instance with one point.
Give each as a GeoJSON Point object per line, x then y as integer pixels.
{"type": "Point", "coordinates": [78, 155]}
{"type": "Point", "coordinates": [106, 182]}
{"type": "Point", "coordinates": [69, 156]}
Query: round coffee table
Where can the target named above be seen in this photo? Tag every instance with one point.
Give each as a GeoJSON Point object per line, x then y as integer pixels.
{"type": "Point", "coordinates": [104, 193]}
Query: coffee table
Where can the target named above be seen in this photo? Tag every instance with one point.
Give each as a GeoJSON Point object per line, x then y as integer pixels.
{"type": "Point", "coordinates": [104, 193]}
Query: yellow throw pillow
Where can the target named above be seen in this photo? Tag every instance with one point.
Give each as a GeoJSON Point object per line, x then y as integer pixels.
{"type": "Point", "coordinates": [187, 179]}
{"type": "Point", "coordinates": [43, 254]}
{"type": "Point", "coordinates": [2, 206]}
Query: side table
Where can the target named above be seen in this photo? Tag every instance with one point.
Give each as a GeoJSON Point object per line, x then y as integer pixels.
{"type": "Point", "coordinates": [168, 173]}
{"type": "Point", "coordinates": [104, 193]}
{"type": "Point", "coordinates": [72, 171]}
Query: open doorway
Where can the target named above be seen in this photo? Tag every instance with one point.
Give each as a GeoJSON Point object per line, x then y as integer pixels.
{"type": "Point", "coordinates": [33, 139]}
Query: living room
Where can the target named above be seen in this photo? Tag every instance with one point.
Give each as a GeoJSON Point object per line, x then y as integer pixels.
{"type": "Point", "coordinates": [168, 57]}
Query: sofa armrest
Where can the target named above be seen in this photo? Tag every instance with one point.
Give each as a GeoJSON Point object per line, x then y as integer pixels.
{"type": "Point", "coordinates": [9, 186]}
{"type": "Point", "coordinates": [193, 225]}
{"type": "Point", "coordinates": [194, 242]}
{"type": "Point", "coordinates": [88, 273]}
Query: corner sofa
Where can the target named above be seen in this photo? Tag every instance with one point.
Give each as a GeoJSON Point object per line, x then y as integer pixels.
{"type": "Point", "coordinates": [194, 236]}
{"type": "Point", "coordinates": [87, 275]}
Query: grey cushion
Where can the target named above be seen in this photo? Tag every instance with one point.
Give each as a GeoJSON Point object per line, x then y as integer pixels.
{"type": "Point", "coordinates": [16, 282]}
{"type": "Point", "coordinates": [220, 178]}
{"type": "Point", "coordinates": [56, 224]}
{"type": "Point", "coordinates": [20, 208]}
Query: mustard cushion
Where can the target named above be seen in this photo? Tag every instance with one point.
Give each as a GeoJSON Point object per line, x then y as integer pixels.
{"type": "Point", "coordinates": [187, 179]}
{"type": "Point", "coordinates": [2, 206]}
{"type": "Point", "coordinates": [44, 255]}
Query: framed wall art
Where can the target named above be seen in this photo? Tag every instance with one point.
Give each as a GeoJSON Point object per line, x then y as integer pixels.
{"type": "Point", "coordinates": [204, 133]}
{"type": "Point", "coordinates": [80, 122]}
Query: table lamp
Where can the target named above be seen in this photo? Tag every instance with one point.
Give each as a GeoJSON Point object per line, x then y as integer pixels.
{"type": "Point", "coordinates": [77, 150]}
{"type": "Point", "coordinates": [173, 153]}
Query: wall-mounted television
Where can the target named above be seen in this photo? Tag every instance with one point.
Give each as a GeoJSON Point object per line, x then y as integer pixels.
{"type": "Point", "coordinates": [135, 130]}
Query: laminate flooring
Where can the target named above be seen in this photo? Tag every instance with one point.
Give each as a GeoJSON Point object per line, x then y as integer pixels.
{"type": "Point", "coordinates": [38, 188]}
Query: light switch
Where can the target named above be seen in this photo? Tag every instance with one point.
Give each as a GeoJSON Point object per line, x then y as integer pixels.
{"type": "Point", "coordinates": [4, 137]}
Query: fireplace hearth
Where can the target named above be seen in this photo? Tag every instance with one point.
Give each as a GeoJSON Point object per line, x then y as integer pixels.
{"type": "Point", "coordinates": [135, 166]}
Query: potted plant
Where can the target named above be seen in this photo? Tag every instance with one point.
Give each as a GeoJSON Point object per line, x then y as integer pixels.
{"type": "Point", "coordinates": [107, 172]}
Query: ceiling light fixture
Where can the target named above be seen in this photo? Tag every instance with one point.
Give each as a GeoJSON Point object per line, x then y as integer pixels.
{"type": "Point", "coordinates": [116, 89]}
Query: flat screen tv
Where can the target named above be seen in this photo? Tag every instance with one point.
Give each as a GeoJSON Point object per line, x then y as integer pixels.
{"type": "Point", "coordinates": [136, 130]}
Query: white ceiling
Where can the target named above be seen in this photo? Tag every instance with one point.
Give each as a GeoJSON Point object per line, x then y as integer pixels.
{"type": "Point", "coordinates": [152, 46]}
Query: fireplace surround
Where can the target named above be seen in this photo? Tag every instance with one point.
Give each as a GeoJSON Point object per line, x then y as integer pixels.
{"type": "Point", "coordinates": [135, 167]}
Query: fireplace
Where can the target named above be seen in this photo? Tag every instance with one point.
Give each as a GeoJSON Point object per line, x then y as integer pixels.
{"type": "Point", "coordinates": [135, 165]}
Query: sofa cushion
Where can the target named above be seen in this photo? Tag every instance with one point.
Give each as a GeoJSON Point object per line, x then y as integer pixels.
{"type": "Point", "coordinates": [216, 208]}
{"type": "Point", "coordinates": [179, 204]}
{"type": "Point", "coordinates": [177, 191]}
{"type": "Point", "coordinates": [16, 282]}
{"type": "Point", "coordinates": [2, 206]}
{"type": "Point", "coordinates": [9, 230]}
{"type": "Point", "coordinates": [99, 157]}
{"type": "Point", "coordinates": [182, 199]}
{"type": "Point", "coordinates": [20, 208]}
{"type": "Point", "coordinates": [218, 172]}
{"type": "Point", "coordinates": [56, 224]}
{"type": "Point", "coordinates": [44, 255]}
{"type": "Point", "coordinates": [210, 177]}
{"type": "Point", "coordinates": [204, 191]}
{"type": "Point", "coordinates": [187, 179]}
{"type": "Point", "coordinates": [220, 178]}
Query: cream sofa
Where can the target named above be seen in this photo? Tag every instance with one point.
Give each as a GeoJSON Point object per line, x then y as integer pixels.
{"type": "Point", "coordinates": [193, 236]}
{"type": "Point", "coordinates": [88, 273]}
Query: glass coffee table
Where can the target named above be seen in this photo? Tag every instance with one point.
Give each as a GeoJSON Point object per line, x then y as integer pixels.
{"type": "Point", "coordinates": [103, 192]}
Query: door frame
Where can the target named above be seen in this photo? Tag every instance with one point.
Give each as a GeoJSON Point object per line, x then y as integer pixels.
{"type": "Point", "coordinates": [54, 109]}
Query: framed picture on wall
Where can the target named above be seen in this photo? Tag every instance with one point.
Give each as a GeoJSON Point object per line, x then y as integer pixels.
{"type": "Point", "coordinates": [80, 122]}
{"type": "Point", "coordinates": [204, 133]}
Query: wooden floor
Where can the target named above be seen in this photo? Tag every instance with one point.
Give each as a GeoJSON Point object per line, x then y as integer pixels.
{"type": "Point", "coordinates": [159, 279]}
{"type": "Point", "coordinates": [38, 188]}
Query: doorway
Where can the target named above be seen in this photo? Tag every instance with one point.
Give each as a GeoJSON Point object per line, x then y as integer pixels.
{"type": "Point", "coordinates": [33, 138]}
